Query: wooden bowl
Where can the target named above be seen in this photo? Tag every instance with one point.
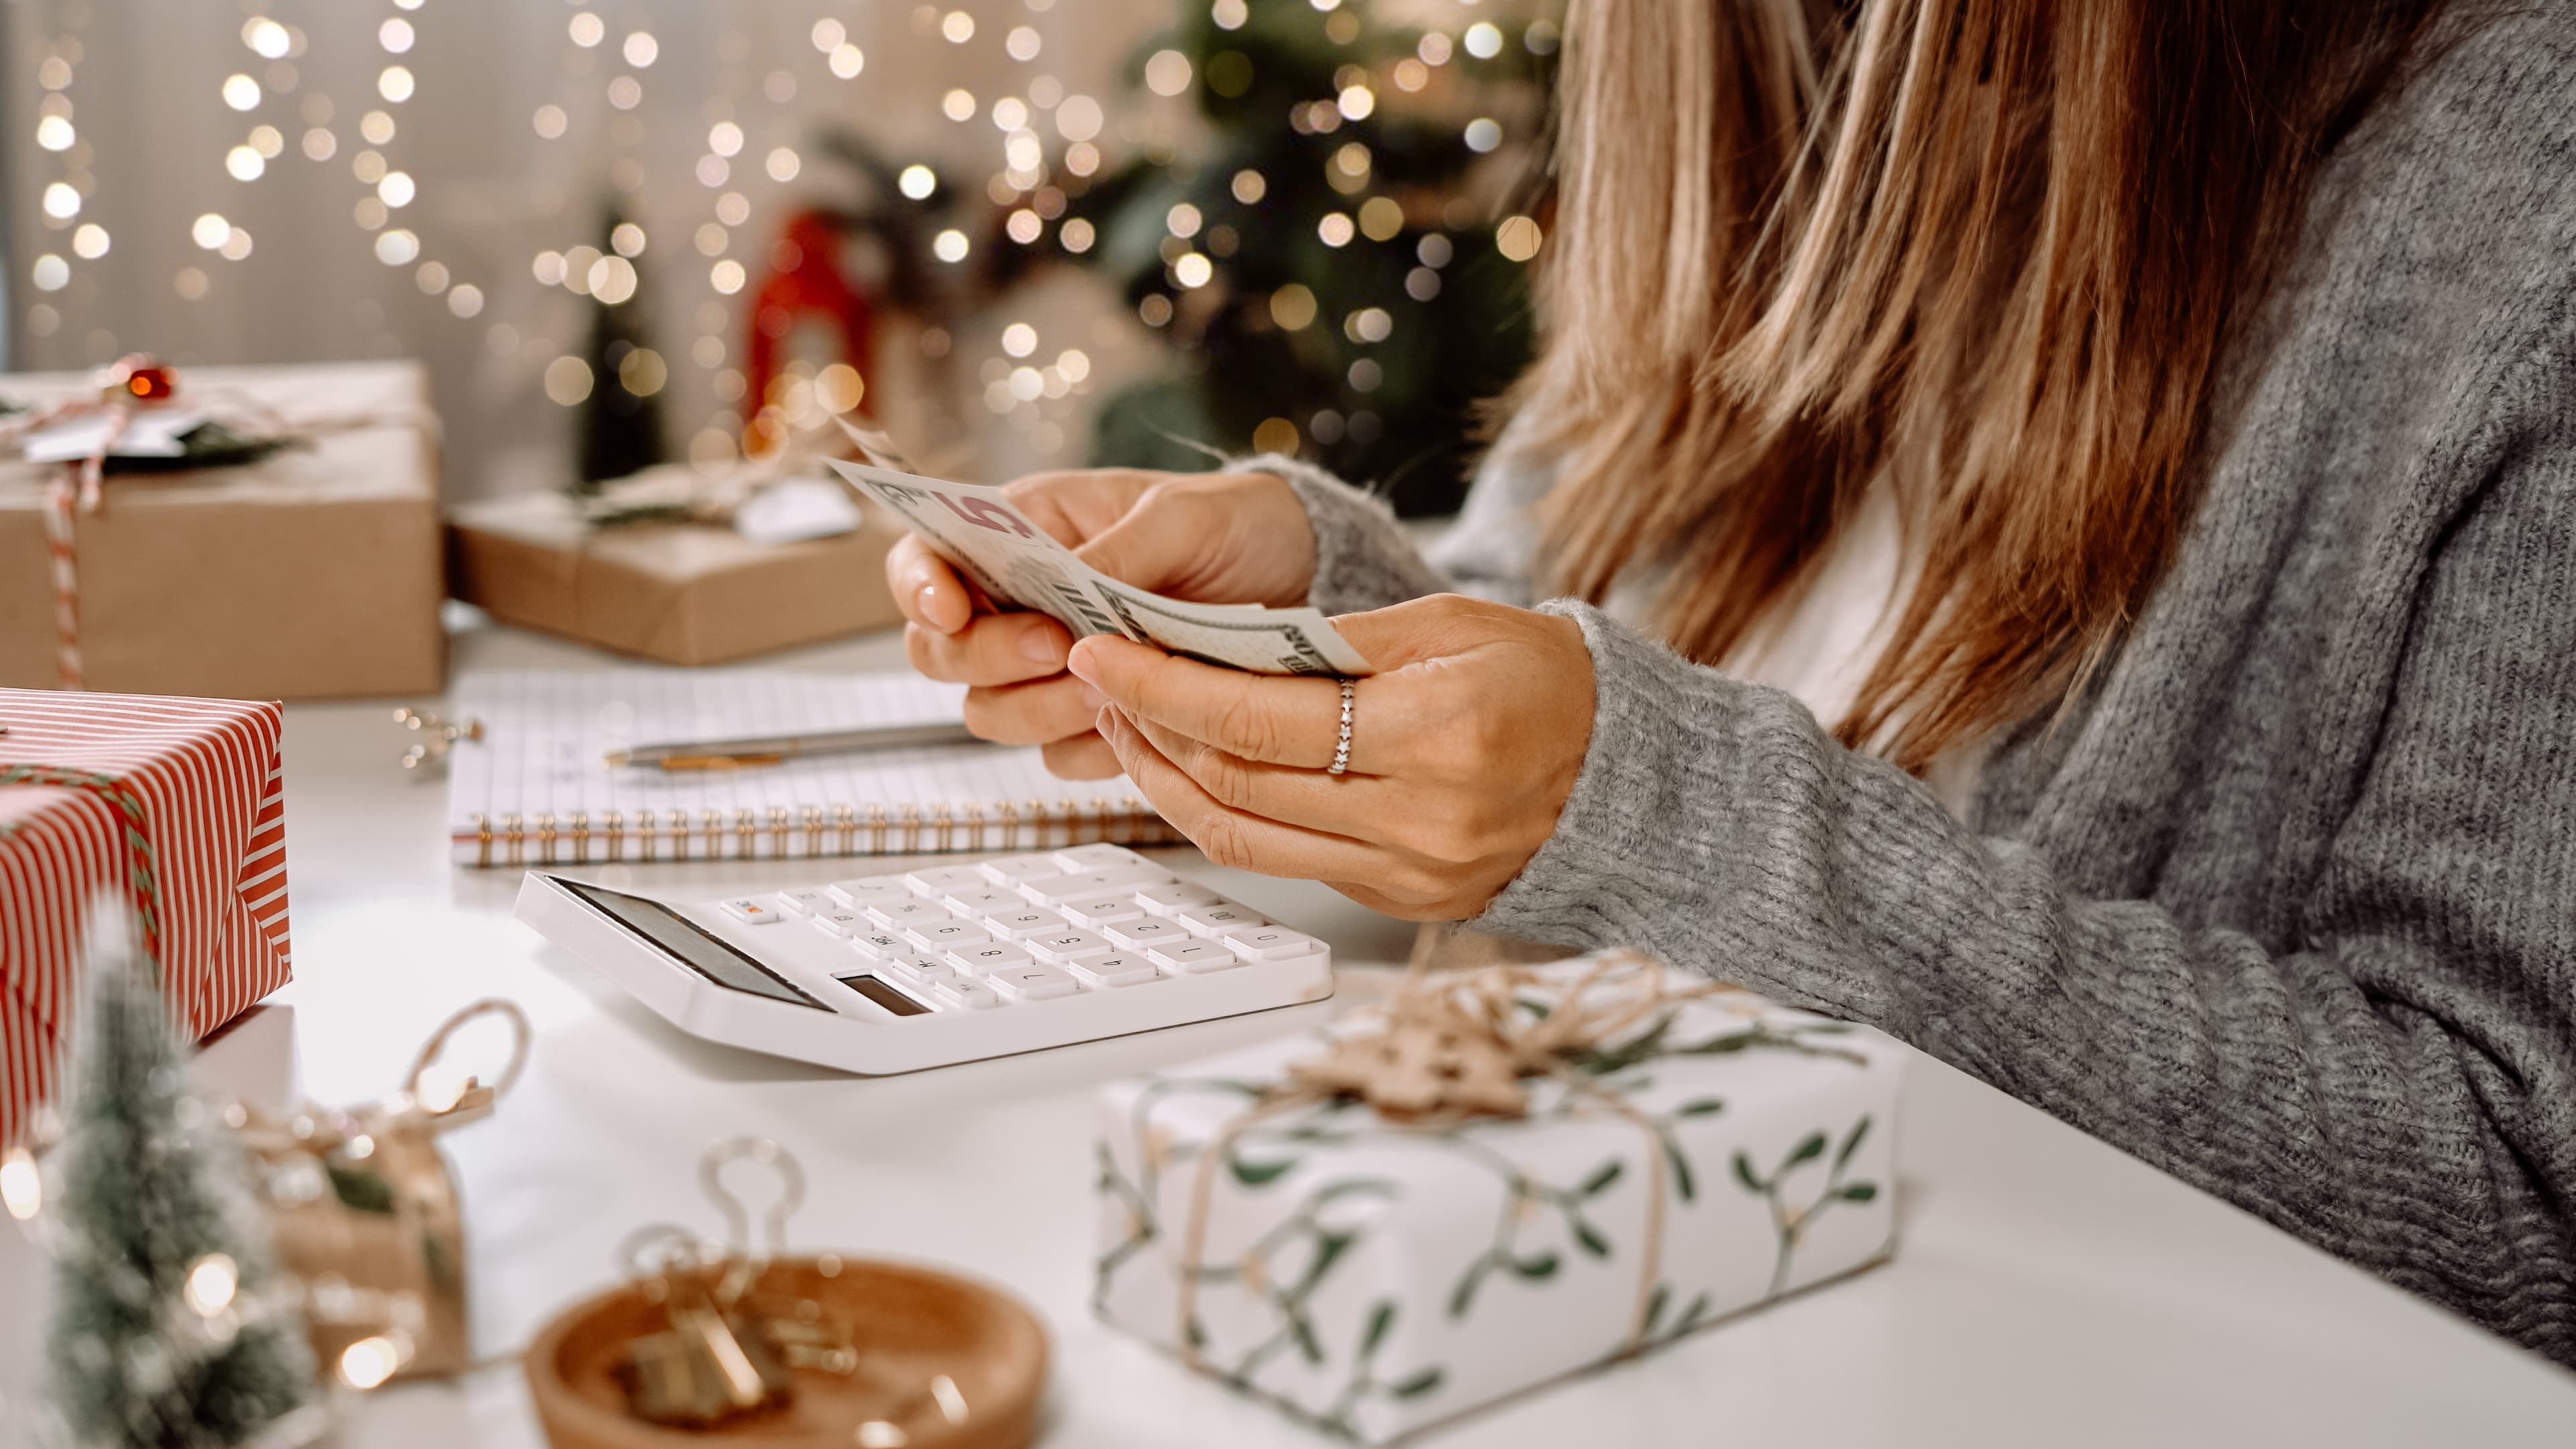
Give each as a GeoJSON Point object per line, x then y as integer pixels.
{"type": "Point", "coordinates": [909, 1324]}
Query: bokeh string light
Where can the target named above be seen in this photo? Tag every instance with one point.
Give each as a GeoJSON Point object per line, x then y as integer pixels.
{"type": "Point", "coordinates": [1048, 145]}
{"type": "Point", "coordinates": [273, 46]}
{"type": "Point", "coordinates": [69, 158]}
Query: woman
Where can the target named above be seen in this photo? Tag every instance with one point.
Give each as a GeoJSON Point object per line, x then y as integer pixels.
{"type": "Point", "coordinates": [2185, 396]}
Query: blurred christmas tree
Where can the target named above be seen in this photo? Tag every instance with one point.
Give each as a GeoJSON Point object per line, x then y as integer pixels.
{"type": "Point", "coordinates": [170, 1329]}
{"type": "Point", "coordinates": [1327, 263]}
{"type": "Point", "coordinates": [621, 419]}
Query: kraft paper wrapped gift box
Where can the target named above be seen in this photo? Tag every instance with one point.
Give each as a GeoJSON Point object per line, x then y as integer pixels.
{"type": "Point", "coordinates": [312, 573]}
{"type": "Point", "coordinates": [1374, 1277]}
{"type": "Point", "coordinates": [174, 803]}
{"type": "Point", "coordinates": [681, 593]}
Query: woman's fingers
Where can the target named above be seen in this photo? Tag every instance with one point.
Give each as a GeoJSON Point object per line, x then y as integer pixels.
{"type": "Point", "coordinates": [1232, 838]}
{"type": "Point", "coordinates": [1353, 805]}
{"type": "Point", "coordinates": [925, 588]}
{"type": "Point", "coordinates": [993, 649]}
{"type": "Point", "coordinates": [1262, 717]}
{"type": "Point", "coordinates": [1038, 712]}
{"type": "Point", "coordinates": [1085, 757]}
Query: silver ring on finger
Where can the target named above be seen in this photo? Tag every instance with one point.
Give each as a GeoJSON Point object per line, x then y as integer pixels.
{"type": "Point", "coordinates": [1342, 747]}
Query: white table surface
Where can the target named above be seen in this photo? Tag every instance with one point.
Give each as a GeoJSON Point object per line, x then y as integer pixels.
{"type": "Point", "coordinates": [2047, 1290]}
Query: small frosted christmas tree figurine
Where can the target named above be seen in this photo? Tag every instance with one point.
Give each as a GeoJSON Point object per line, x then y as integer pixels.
{"type": "Point", "coordinates": [170, 1328]}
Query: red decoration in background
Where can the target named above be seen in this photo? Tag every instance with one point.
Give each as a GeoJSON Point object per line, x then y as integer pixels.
{"type": "Point", "coordinates": [137, 377]}
{"type": "Point", "coordinates": [802, 281]}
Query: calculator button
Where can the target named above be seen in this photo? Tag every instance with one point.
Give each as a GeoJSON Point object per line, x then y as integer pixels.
{"type": "Point", "coordinates": [1269, 943]}
{"type": "Point", "coordinates": [1098, 911]}
{"type": "Point", "coordinates": [1180, 895]}
{"type": "Point", "coordinates": [921, 970]}
{"type": "Point", "coordinates": [1113, 971]}
{"type": "Point", "coordinates": [805, 903]}
{"type": "Point", "coordinates": [986, 957]}
{"type": "Point", "coordinates": [962, 992]}
{"type": "Point", "coordinates": [981, 901]}
{"type": "Point", "coordinates": [938, 936]}
{"type": "Point", "coordinates": [1032, 983]}
{"type": "Point", "coordinates": [1215, 920]}
{"type": "Point", "coordinates": [1130, 878]}
{"type": "Point", "coordinates": [755, 910]}
{"type": "Point", "coordinates": [1193, 957]}
{"type": "Point", "coordinates": [1144, 935]}
{"type": "Point", "coordinates": [899, 914]}
{"type": "Point", "coordinates": [1069, 946]}
{"type": "Point", "coordinates": [1010, 870]}
{"type": "Point", "coordinates": [864, 890]}
{"type": "Point", "coordinates": [1096, 857]}
{"type": "Point", "coordinates": [940, 880]}
{"type": "Point", "coordinates": [840, 922]}
{"type": "Point", "coordinates": [1055, 890]}
{"type": "Point", "coordinates": [878, 944]}
{"type": "Point", "coordinates": [1023, 923]}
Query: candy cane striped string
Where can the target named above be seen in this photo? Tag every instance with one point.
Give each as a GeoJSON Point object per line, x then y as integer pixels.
{"type": "Point", "coordinates": [77, 486]}
{"type": "Point", "coordinates": [58, 551]}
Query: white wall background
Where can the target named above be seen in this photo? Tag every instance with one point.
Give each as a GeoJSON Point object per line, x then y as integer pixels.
{"type": "Point", "coordinates": [153, 129]}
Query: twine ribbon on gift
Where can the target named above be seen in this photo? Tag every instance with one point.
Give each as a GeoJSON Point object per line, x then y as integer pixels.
{"type": "Point", "coordinates": [142, 884]}
{"type": "Point", "coordinates": [1452, 1047]}
{"type": "Point", "coordinates": [132, 383]}
{"type": "Point", "coordinates": [710, 493]}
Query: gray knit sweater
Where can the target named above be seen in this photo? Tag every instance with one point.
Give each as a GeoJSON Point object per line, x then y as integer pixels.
{"type": "Point", "coordinates": [2286, 905]}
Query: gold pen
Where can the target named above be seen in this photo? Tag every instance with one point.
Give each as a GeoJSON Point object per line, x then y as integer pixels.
{"type": "Point", "coordinates": [772, 749]}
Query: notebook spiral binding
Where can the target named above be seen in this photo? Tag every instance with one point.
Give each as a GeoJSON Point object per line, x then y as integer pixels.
{"type": "Point", "coordinates": [1000, 825]}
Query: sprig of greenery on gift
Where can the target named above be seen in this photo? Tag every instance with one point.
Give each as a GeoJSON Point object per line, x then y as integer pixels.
{"type": "Point", "coordinates": [171, 1328]}
{"type": "Point", "coordinates": [1377, 350]}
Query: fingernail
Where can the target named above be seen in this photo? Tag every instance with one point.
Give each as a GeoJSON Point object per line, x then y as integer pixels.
{"type": "Point", "coordinates": [1039, 646]}
{"type": "Point", "coordinates": [922, 599]}
{"type": "Point", "coordinates": [1080, 662]}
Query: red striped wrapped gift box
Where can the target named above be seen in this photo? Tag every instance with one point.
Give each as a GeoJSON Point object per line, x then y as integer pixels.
{"type": "Point", "coordinates": [175, 803]}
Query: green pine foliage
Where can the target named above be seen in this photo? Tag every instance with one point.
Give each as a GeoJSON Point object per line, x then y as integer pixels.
{"type": "Point", "coordinates": [1388, 395]}
{"type": "Point", "coordinates": [151, 1190]}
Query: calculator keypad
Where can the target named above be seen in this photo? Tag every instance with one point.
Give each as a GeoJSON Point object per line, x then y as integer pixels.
{"type": "Point", "coordinates": [1032, 928]}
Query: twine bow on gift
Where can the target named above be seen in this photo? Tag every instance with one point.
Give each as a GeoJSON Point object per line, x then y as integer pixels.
{"type": "Point", "coordinates": [1451, 1047]}
{"type": "Point", "coordinates": [700, 493]}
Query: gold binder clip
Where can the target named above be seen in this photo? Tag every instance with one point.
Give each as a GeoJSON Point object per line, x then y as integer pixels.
{"type": "Point", "coordinates": [429, 754]}
{"type": "Point", "coordinates": [706, 1367]}
{"type": "Point", "coordinates": [796, 1330]}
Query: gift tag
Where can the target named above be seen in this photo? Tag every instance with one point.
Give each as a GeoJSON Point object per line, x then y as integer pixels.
{"type": "Point", "coordinates": [152, 434]}
{"type": "Point", "coordinates": [793, 510]}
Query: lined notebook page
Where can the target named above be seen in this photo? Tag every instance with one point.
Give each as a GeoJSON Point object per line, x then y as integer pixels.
{"type": "Point", "coordinates": [536, 790]}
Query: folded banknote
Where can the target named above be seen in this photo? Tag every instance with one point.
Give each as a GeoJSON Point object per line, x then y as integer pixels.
{"type": "Point", "coordinates": [1014, 561]}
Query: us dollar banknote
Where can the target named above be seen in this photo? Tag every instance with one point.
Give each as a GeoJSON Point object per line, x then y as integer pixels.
{"type": "Point", "coordinates": [1014, 561]}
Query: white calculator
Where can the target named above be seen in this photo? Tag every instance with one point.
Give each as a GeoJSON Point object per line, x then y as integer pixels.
{"type": "Point", "coordinates": [948, 963]}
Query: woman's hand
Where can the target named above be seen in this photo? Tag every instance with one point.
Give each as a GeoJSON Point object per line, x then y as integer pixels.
{"type": "Point", "coordinates": [1218, 538]}
{"type": "Point", "coordinates": [1464, 748]}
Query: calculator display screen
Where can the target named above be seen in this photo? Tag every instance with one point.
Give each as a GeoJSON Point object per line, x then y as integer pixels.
{"type": "Point", "coordinates": [690, 944]}
{"type": "Point", "coordinates": [884, 995]}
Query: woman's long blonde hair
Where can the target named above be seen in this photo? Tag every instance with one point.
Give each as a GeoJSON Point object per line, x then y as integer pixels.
{"type": "Point", "coordinates": [1995, 245]}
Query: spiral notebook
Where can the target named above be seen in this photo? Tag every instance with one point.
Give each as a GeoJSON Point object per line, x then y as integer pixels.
{"type": "Point", "coordinates": [536, 788]}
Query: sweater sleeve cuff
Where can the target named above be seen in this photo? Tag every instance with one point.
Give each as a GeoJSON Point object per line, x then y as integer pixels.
{"type": "Point", "coordinates": [1362, 558]}
{"type": "Point", "coordinates": [1666, 738]}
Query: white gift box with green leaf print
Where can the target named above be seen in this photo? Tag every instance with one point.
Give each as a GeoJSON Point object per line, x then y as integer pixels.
{"type": "Point", "coordinates": [1373, 1277]}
